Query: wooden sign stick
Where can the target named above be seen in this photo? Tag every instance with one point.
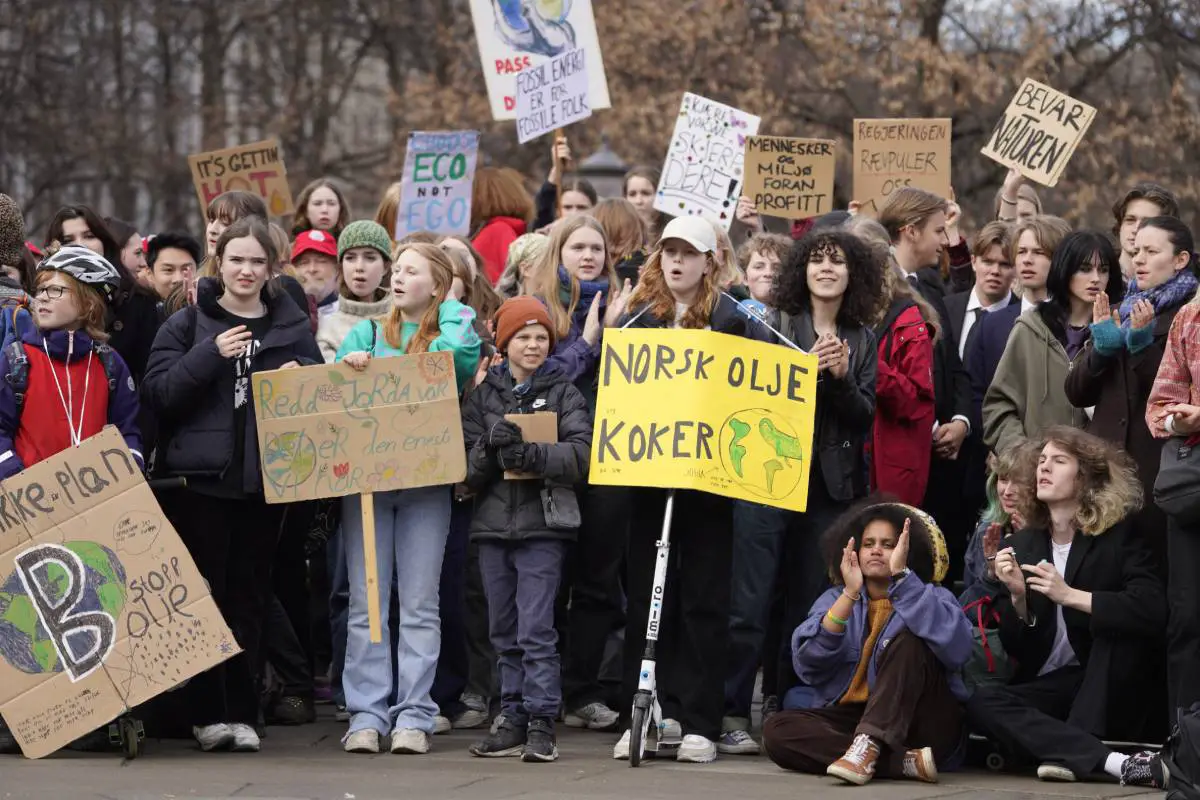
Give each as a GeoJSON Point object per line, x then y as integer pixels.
{"type": "Point", "coordinates": [368, 526]}
{"type": "Point", "coordinates": [562, 170]}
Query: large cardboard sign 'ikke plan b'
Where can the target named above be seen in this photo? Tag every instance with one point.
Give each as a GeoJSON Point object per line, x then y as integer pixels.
{"type": "Point", "coordinates": [101, 606]}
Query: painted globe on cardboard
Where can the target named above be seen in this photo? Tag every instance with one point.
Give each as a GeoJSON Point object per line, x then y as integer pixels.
{"type": "Point", "coordinates": [762, 452]}
{"type": "Point", "coordinates": [24, 643]}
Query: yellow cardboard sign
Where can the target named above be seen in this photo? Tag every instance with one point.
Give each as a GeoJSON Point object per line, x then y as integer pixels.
{"type": "Point", "coordinates": [691, 409]}
{"type": "Point", "coordinates": [328, 431]}
{"type": "Point", "coordinates": [1039, 131]}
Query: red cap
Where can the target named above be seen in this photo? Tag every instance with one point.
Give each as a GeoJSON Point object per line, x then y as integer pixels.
{"type": "Point", "coordinates": [33, 248]}
{"type": "Point", "coordinates": [320, 241]}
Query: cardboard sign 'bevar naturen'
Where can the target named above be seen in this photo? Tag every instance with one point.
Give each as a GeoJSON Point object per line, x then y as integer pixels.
{"type": "Point", "coordinates": [692, 409]}
{"type": "Point", "coordinates": [1039, 131]}
{"type": "Point", "coordinates": [256, 168]}
{"type": "Point", "coordinates": [328, 431]}
{"type": "Point", "coordinates": [101, 606]}
{"type": "Point", "coordinates": [891, 154]}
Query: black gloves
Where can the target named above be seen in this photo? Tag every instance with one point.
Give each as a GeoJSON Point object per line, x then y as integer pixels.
{"type": "Point", "coordinates": [504, 434]}
{"type": "Point", "coordinates": [524, 457]}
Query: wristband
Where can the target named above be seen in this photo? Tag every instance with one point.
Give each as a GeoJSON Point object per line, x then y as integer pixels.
{"type": "Point", "coordinates": [834, 619]}
{"type": "Point", "coordinates": [853, 597]}
{"type": "Point", "coordinates": [1004, 199]}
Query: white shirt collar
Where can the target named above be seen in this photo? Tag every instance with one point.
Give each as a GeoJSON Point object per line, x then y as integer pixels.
{"type": "Point", "coordinates": [1027, 304]}
{"type": "Point", "coordinates": [974, 302]}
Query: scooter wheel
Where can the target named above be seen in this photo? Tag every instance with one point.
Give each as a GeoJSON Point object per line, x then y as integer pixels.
{"type": "Point", "coordinates": [994, 761]}
{"type": "Point", "coordinates": [131, 738]}
{"type": "Point", "coordinates": [637, 734]}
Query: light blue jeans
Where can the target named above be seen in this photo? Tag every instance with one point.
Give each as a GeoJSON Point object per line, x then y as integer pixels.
{"type": "Point", "coordinates": [411, 527]}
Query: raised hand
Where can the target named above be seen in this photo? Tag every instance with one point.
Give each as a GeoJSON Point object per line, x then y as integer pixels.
{"type": "Point", "coordinates": [1100, 310]}
{"type": "Point", "coordinates": [852, 577]}
{"type": "Point", "coordinates": [900, 554]}
{"type": "Point", "coordinates": [233, 342]}
{"type": "Point", "coordinates": [617, 305]}
{"type": "Point", "coordinates": [1142, 315]}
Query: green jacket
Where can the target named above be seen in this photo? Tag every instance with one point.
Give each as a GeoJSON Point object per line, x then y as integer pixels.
{"type": "Point", "coordinates": [1028, 393]}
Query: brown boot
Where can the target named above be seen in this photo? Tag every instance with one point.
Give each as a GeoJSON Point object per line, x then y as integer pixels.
{"type": "Point", "coordinates": [858, 765]}
{"type": "Point", "coordinates": [920, 766]}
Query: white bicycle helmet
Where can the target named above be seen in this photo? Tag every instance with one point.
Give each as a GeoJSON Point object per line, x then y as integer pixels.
{"type": "Point", "coordinates": [85, 266]}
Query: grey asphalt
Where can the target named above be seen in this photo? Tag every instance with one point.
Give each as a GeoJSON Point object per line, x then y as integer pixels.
{"type": "Point", "coordinates": [307, 762]}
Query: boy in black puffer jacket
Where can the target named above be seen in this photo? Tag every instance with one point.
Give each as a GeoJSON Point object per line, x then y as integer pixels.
{"type": "Point", "coordinates": [522, 539]}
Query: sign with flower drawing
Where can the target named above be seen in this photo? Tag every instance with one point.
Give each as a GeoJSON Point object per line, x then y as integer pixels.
{"type": "Point", "coordinates": [328, 431]}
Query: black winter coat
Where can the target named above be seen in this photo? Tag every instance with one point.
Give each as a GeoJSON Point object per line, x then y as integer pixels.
{"type": "Point", "coordinates": [512, 510]}
{"type": "Point", "coordinates": [1113, 643]}
{"type": "Point", "coordinates": [190, 386]}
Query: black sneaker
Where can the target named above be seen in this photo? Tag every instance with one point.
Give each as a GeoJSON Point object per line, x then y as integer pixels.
{"type": "Point", "coordinates": [1144, 769]}
{"type": "Point", "coordinates": [292, 710]}
{"type": "Point", "coordinates": [506, 739]}
{"type": "Point", "coordinates": [540, 745]}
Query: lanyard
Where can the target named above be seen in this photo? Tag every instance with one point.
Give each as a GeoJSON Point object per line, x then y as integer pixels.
{"type": "Point", "coordinates": [68, 400]}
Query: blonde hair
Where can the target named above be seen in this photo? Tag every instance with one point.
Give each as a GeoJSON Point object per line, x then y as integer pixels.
{"type": "Point", "coordinates": [653, 294]}
{"type": "Point", "coordinates": [544, 282]}
{"type": "Point", "coordinates": [729, 272]}
{"type": "Point", "coordinates": [527, 248]}
{"type": "Point", "coordinates": [623, 225]}
{"type": "Point", "coordinates": [389, 210]}
{"type": "Point", "coordinates": [442, 272]}
{"type": "Point", "coordinates": [1107, 482]}
{"type": "Point", "coordinates": [1048, 230]}
{"type": "Point", "coordinates": [909, 206]}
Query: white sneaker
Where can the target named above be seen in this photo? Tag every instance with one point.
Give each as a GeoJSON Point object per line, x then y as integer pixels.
{"type": "Point", "coordinates": [245, 740]}
{"type": "Point", "coordinates": [213, 737]}
{"type": "Point", "coordinates": [410, 741]}
{"type": "Point", "coordinates": [670, 732]}
{"type": "Point", "coordinates": [364, 741]}
{"type": "Point", "coordinates": [621, 748]}
{"type": "Point", "coordinates": [696, 750]}
{"type": "Point", "coordinates": [441, 724]}
{"type": "Point", "coordinates": [593, 717]}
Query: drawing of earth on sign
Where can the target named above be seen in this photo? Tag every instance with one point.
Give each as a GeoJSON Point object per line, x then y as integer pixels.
{"type": "Point", "coordinates": [761, 451]}
{"type": "Point", "coordinates": [24, 641]}
{"type": "Point", "coordinates": [289, 460]}
{"type": "Point", "coordinates": [535, 26]}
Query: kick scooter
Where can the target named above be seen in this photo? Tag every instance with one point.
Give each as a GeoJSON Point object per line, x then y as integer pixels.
{"type": "Point", "coordinates": [646, 709]}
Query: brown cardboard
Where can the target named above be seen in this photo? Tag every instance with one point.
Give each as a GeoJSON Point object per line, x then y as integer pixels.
{"type": "Point", "coordinates": [1039, 131]}
{"type": "Point", "coordinates": [891, 154]}
{"type": "Point", "coordinates": [790, 178]}
{"type": "Point", "coordinates": [89, 508]}
{"type": "Point", "coordinates": [328, 431]}
{"type": "Point", "coordinates": [540, 427]}
{"type": "Point", "coordinates": [256, 168]}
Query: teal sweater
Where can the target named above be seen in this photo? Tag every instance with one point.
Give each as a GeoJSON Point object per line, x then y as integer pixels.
{"type": "Point", "coordinates": [456, 334]}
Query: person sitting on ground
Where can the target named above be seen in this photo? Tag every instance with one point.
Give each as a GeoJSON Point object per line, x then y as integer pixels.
{"type": "Point", "coordinates": [1083, 607]}
{"type": "Point", "coordinates": [1008, 474]}
{"type": "Point", "coordinates": [884, 643]}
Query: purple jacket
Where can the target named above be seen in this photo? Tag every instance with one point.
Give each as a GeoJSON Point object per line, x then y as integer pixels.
{"type": "Point", "coordinates": [826, 661]}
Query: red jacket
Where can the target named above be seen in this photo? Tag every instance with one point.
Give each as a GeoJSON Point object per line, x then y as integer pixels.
{"type": "Point", "coordinates": [902, 437]}
{"type": "Point", "coordinates": [493, 241]}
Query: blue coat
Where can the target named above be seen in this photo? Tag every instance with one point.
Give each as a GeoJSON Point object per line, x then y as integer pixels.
{"type": "Point", "coordinates": [984, 356]}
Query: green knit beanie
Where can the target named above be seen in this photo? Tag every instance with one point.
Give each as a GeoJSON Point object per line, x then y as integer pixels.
{"type": "Point", "coordinates": [365, 233]}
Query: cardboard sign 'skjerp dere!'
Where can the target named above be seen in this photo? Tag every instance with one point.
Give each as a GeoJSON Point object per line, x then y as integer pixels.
{"type": "Point", "coordinates": [101, 606]}
{"type": "Point", "coordinates": [691, 409]}
{"type": "Point", "coordinates": [1039, 131]}
{"type": "Point", "coordinates": [256, 168]}
{"type": "Point", "coordinates": [891, 154]}
{"type": "Point", "coordinates": [328, 431]}
{"type": "Point", "coordinates": [790, 178]}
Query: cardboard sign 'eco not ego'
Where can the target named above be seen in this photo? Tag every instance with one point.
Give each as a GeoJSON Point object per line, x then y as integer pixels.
{"type": "Point", "coordinates": [516, 35]}
{"type": "Point", "coordinates": [256, 168]}
{"type": "Point", "coordinates": [891, 154]}
{"type": "Point", "coordinates": [101, 605]}
{"type": "Point", "coordinates": [552, 95]}
{"type": "Point", "coordinates": [435, 190]}
{"type": "Point", "coordinates": [328, 431]}
{"type": "Point", "coordinates": [790, 178]}
{"type": "Point", "coordinates": [1039, 131]}
{"type": "Point", "coordinates": [692, 409]}
{"type": "Point", "coordinates": [703, 171]}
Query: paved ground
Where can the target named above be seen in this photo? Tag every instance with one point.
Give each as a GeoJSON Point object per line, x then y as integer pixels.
{"type": "Point", "coordinates": [308, 763]}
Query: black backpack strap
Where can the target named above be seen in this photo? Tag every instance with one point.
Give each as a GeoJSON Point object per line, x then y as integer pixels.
{"type": "Point", "coordinates": [108, 360]}
{"type": "Point", "coordinates": [18, 371]}
{"type": "Point", "coordinates": [374, 337]}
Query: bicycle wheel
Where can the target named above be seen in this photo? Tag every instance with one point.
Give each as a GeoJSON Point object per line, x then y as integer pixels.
{"type": "Point", "coordinates": [637, 734]}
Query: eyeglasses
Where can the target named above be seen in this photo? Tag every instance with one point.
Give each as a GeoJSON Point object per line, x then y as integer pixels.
{"type": "Point", "coordinates": [52, 292]}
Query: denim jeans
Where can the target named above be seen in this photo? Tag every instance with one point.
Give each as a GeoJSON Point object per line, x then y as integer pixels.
{"type": "Point", "coordinates": [411, 528]}
{"type": "Point", "coordinates": [758, 535]}
{"type": "Point", "coordinates": [521, 580]}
